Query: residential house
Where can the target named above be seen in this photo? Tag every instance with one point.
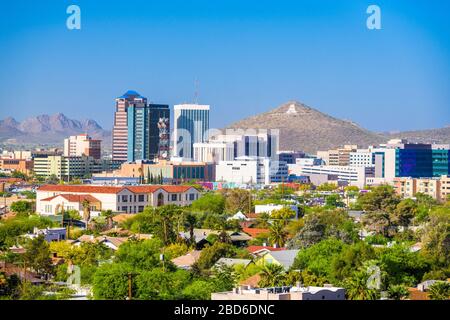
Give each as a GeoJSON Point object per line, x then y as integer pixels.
{"type": "Point", "coordinates": [231, 262]}
{"type": "Point", "coordinates": [282, 293]}
{"type": "Point", "coordinates": [186, 261]}
{"type": "Point", "coordinates": [284, 258]}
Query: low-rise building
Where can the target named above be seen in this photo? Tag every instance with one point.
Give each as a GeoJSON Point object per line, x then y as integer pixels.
{"type": "Point", "coordinates": [51, 199]}
{"type": "Point", "coordinates": [356, 176]}
{"type": "Point", "coordinates": [70, 167]}
{"type": "Point", "coordinates": [172, 172]}
{"type": "Point", "coordinates": [49, 234]}
{"type": "Point", "coordinates": [251, 170]}
{"type": "Point", "coordinates": [8, 165]}
{"type": "Point", "coordinates": [282, 293]}
{"type": "Point", "coordinates": [433, 187]}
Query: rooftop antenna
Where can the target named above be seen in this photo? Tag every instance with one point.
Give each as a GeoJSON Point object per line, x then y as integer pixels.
{"type": "Point", "coordinates": [196, 92]}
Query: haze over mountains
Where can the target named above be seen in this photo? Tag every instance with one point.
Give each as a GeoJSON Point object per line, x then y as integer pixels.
{"type": "Point", "coordinates": [301, 128]}
{"type": "Point", "coordinates": [48, 130]}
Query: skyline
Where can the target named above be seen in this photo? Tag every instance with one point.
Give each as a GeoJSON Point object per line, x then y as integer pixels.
{"type": "Point", "coordinates": [244, 56]}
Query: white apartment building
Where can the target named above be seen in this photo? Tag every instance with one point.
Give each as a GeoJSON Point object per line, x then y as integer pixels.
{"type": "Point", "coordinates": [82, 145]}
{"type": "Point", "coordinates": [52, 199]}
{"type": "Point", "coordinates": [361, 158]}
{"type": "Point", "coordinates": [250, 170]}
{"type": "Point", "coordinates": [353, 175]}
{"type": "Point", "coordinates": [213, 152]}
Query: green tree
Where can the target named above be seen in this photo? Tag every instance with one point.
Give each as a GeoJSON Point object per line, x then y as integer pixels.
{"type": "Point", "coordinates": [110, 281]}
{"type": "Point", "coordinates": [144, 254]}
{"type": "Point", "coordinates": [436, 237]}
{"type": "Point", "coordinates": [21, 207]}
{"type": "Point", "coordinates": [404, 213]}
{"type": "Point", "coordinates": [312, 233]}
{"type": "Point", "coordinates": [211, 254]}
{"type": "Point", "coordinates": [402, 266]}
{"type": "Point", "coordinates": [210, 202]}
{"type": "Point", "coordinates": [319, 258]}
{"type": "Point", "coordinates": [190, 221]}
{"type": "Point", "coordinates": [357, 287]}
{"type": "Point", "coordinates": [334, 201]}
{"type": "Point", "coordinates": [277, 233]}
{"type": "Point", "coordinates": [379, 222]}
{"type": "Point", "coordinates": [199, 290]}
{"type": "Point", "coordinates": [327, 187]}
{"type": "Point", "coordinates": [161, 285]}
{"type": "Point", "coordinates": [381, 198]}
{"type": "Point", "coordinates": [440, 290]}
{"type": "Point", "coordinates": [272, 275]}
{"type": "Point", "coordinates": [108, 215]}
{"type": "Point", "coordinates": [37, 256]}
{"type": "Point", "coordinates": [398, 292]}
{"type": "Point", "coordinates": [237, 200]}
{"type": "Point", "coordinates": [351, 258]}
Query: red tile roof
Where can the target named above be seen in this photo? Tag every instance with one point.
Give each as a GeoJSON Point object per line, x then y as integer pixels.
{"type": "Point", "coordinates": [252, 215]}
{"type": "Point", "coordinates": [252, 249]}
{"type": "Point", "coordinates": [254, 232]}
{"type": "Point", "coordinates": [109, 189]}
{"type": "Point", "coordinates": [74, 198]}
{"type": "Point", "coordinates": [80, 188]}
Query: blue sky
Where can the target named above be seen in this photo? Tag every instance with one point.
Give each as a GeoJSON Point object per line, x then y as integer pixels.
{"type": "Point", "coordinates": [248, 56]}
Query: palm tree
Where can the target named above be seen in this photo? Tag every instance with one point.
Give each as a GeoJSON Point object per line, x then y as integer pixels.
{"type": "Point", "coordinates": [278, 234]}
{"type": "Point", "coordinates": [141, 175]}
{"type": "Point", "coordinates": [398, 292]}
{"type": "Point", "coordinates": [108, 214]}
{"type": "Point", "coordinates": [272, 275]}
{"type": "Point", "coordinates": [357, 289]}
{"type": "Point", "coordinates": [190, 221]}
{"type": "Point", "coordinates": [86, 211]}
{"type": "Point", "coordinates": [263, 220]}
{"type": "Point", "coordinates": [440, 290]}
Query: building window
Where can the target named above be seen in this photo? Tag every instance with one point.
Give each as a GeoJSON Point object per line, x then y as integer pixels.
{"type": "Point", "coordinates": [124, 199]}
{"type": "Point", "coordinates": [174, 197]}
{"type": "Point", "coordinates": [191, 196]}
{"type": "Point", "coordinates": [141, 198]}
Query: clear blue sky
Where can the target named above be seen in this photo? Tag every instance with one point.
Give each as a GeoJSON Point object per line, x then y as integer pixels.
{"type": "Point", "coordinates": [249, 56]}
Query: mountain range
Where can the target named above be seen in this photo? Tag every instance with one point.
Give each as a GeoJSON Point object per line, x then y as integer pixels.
{"type": "Point", "coordinates": [48, 130]}
{"type": "Point", "coordinates": [305, 128]}
{"type": "Point", "coordinates": [301, 128]}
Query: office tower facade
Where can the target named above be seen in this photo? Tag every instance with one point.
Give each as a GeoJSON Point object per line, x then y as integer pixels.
{"type": "Point", "coordinates": [191, 124]}
{"type": "Point", "coordinates": [120, 128]}
{"type": "Point", "coordinates": [82, 145]}
{"type": "Point", "coordinates": [402, 159]}
{"type": "Point", "coordinates": [148, 131]}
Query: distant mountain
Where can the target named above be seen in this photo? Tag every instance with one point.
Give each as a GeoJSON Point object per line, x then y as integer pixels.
{"type": "Point", "coordinates": [305, 128]}
{"type": "Point", "coordinates": [440, 136]}
{"type": "Point", "coordinates": [49, 130]}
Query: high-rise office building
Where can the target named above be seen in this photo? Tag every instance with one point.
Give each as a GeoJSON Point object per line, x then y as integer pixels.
{"type": "Point", "coordinates": [148, 132]}
{"type": "Point", "coordinates": [120, 128]}
{"type": "Point", "coordinates": [402, 159]}
{"type": "Point", "coordinates": [191, 124]}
